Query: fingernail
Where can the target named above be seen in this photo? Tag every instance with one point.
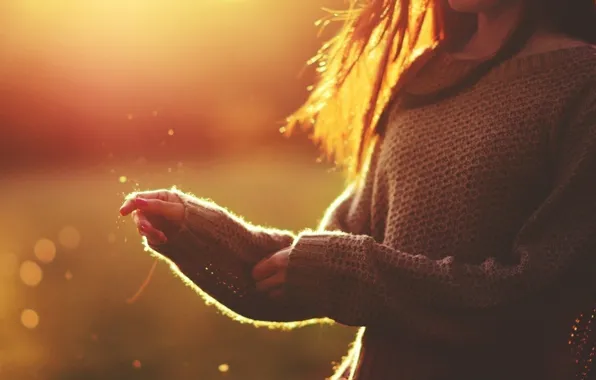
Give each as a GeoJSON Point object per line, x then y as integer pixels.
{"type": "Point", "coordinates": [140, 202]}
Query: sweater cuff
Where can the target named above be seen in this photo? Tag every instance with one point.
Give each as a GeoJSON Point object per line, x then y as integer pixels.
{"type": "Point", "coordinates": [307, 276]}
{"type": "Point", "coordinates": [206, 219]}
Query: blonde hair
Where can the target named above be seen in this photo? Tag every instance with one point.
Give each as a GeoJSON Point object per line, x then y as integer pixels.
{"type": "Point", "coordinates": [358, 69]}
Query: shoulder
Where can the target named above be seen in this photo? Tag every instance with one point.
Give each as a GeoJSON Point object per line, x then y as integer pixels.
{"type": "Point", "coordinates": [574, 57]}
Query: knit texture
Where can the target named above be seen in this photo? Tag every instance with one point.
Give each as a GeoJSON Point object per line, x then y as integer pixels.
{"type": "Point", "coordinates": [467, 249]}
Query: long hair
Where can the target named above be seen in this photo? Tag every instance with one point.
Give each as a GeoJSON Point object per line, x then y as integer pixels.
{"type": "Point", "coordinates": [368, 60]}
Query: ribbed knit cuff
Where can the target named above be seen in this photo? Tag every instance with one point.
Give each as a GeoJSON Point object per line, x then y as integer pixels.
{"type": "Point", "coordinates": [197, 231]}
{"type": "Point", "coordinates": [306, 276]}
{"type": "Point", "coordinates": [205, 219]}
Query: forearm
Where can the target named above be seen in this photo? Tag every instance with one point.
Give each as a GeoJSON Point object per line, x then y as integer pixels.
{"type": "Point", "coordinates": [356, 281]}
{"type": "Point", "coordinates": [215, 251]}
{"type": "Point", "coordinates": [224, 280]}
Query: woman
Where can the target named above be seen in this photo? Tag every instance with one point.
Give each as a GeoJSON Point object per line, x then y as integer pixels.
{"type": "Point", "coordinates": [465, 243]}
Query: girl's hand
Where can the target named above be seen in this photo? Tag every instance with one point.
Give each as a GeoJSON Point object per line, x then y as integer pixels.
{"type": "Point", "coordinates": [270, 274]}
{"type": "Point", "coordinates": [155, 213]}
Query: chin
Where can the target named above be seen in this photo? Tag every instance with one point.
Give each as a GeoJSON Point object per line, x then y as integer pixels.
{"type": "Point", "coordinates": [473, 6]}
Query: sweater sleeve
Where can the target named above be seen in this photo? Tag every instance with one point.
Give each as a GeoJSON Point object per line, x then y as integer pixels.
{"type": "Point", "coordinates": [215, 251]}
{"type": "Point", "coordinates": [356, 281]}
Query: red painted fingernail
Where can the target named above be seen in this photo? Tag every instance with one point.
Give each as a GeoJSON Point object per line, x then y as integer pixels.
{"type": "Point", "coordinates": [140, 202]}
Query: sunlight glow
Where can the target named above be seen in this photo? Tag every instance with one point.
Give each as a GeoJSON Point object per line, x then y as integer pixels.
{"type": "Point", "coordinates": [30, 273]}
{"type": "Point", "coordinates": [45, 250]}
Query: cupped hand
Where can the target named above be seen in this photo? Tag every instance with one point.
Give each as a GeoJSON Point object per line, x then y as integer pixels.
{"type": "Point", "coordinates": [155, 213]}
{"type": "Point", "coordinates": [270, 274]}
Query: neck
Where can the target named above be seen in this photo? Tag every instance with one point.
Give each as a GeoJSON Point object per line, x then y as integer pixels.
{"type": "Point", "coordinates": [494, 26]}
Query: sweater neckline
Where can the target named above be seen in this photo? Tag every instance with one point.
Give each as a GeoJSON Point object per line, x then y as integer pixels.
{"type": "Point", "coordinates": [443, 69]}
{"type": "Point", "coordinates": [520, 62]}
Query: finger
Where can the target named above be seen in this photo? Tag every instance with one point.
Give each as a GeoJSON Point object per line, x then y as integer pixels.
{"type": "Point", "coordinates": [271, 283]}
{"type": "Point", "coordinates": [129, 204]}
{"type": "Point", "coordinates": [169, 210]}
{"type": "Point", "coordinates": [154, 236]}
{"type": "Point", "coordinates": [264, 269]}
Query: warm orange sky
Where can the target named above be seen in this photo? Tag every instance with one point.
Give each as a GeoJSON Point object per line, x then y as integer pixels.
{"type": "Point", "coordinates": [113, 45]}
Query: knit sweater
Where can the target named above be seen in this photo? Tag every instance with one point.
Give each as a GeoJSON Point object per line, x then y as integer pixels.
{"type": "Point", "coordinates": [468, 248]}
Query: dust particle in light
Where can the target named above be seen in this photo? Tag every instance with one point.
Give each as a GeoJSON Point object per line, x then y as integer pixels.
{"type": "Point", "coordinates": [45, 250]}
{"type": "Point", "coordinates": [29, 318]}
{"type": "Point", "coordinates": [224, 368]}
{"type": "Point", "coordinates": [171, 132]}
{"type": "Point", "coordinates": [122, 179]}
{"type": "Point", "coordinates": [30, 273]}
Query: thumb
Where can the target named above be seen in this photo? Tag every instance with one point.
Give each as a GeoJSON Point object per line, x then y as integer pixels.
{"type": "Point", "coordinates": [172, 211]}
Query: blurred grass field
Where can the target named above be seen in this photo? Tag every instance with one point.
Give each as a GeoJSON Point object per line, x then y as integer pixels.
{"type": "Point", "coordinates": [65, 316]}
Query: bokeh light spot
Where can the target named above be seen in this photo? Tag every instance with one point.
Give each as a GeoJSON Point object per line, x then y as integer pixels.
{"type": "Point", "coordinates": [29, 318]}
{"type": "Point", "coordinates": [69, 237]}
{"type": "Point", "coordinates": [122, 179]}
{"type": "Point", "coordinates": [171, 132]}
{"type": "Point", "coordinates": [8, 264]}
{"type": "Point", "coordinates": [68, 275]}
{"type": "Point", "coordinates": [30, 273]}
{"type": "Point", "coordinates": [136, 363]}
{"type": "Point", "coordinates": [45, 250]}
{"type": "Point", "coordinates": [224, 368]}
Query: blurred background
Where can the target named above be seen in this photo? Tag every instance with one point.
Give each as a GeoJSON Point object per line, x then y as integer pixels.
{"type": "Point", "coordinates": [99, 98]}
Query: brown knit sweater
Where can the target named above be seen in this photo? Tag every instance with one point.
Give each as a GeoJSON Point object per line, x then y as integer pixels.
{"type": "Point", "coordinates": [467, 250]}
